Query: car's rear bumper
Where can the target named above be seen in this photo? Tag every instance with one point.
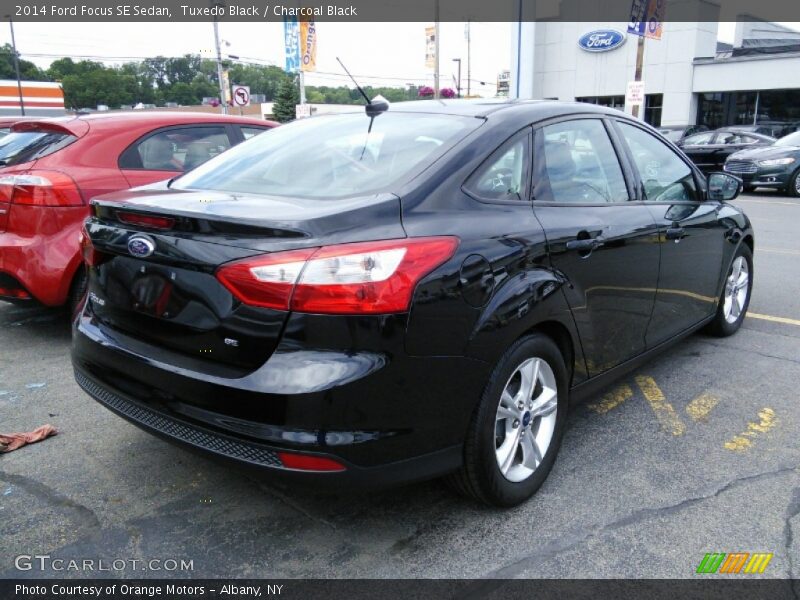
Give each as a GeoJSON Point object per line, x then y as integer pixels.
{"type": "Point", "coordinates": [388, 417]}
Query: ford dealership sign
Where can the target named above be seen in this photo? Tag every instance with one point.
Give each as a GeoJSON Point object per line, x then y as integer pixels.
{"type": "Point", "coordinates": [601, 40]}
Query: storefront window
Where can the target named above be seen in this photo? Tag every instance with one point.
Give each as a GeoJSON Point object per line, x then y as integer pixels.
{"type": "Point", "coordinates": [652, 109]}
{"type": "Point", "coordinates": [609, 101]}
{"type": "Point", "coordinates": [777, 110]}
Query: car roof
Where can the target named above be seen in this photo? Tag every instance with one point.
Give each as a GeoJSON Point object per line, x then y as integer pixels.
{"type": "Point", "coordinates": [484, 107]}
{"type": "Point", "coordinates": [743, 128]}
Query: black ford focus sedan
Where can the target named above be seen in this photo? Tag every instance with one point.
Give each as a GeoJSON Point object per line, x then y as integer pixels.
{"type": "Point", "coordinates": [415, 292]}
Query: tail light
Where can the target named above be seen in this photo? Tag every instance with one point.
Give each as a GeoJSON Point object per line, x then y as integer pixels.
{"type": "Point", "coordinates": [91, 256]}
{"type": "Point", "coordinates": [361, 278]}
{"type": "Point", "coordinates": [40, 188]}
{"type": "Point", "coordinates": [307, 462]}
{"type": "Point", "coordinates": [5, 207]}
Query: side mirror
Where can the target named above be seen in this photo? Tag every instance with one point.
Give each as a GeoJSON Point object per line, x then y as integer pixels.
{"type": "Point", "coordinates": [723, 187]}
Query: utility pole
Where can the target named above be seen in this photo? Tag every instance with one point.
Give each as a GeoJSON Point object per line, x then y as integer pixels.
{"type": "Point", "coordinates": [469, 50]}
{"type": "Point", "coordinates": [436, 45]}
{"type": "Point", "coordinates": [222, 95]}
{"type": "Point", "coordinates": [458, 85]}
{"type": "Point", "coordinates": [16, 66]}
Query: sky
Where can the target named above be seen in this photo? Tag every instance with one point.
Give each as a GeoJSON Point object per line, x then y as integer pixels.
{"type": "Point", "coordinates": [381, 53]}
{"type": "Point", "coordinates": [378, 53]}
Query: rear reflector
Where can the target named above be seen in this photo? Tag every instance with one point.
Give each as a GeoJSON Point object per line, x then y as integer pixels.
{"type": "Point", "coordinates": [362, 278]}
{"type": "Point", "coordinates": [304, 462]}
{"type": "Point", "coordinates": [145, 220]}
{"type": "Point", "coordinates": [40, 188]}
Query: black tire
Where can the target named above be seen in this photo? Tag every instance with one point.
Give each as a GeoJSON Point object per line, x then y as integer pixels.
{"type": "Point", "coordinates": [748, 189]}
{"type": "Point", "coordinates": [720, 326]}
{"type": "Point", "coordinates": [77, 291]}
{"type": "Point", "coordinates": [791, 189]}
{"type": "Point", "coordinates": [480, 476]}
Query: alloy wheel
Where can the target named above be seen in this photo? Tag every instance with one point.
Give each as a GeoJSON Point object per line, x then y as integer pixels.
{"type": "Point", "coordinates": [525, 419]}
{"type": "Point", "coordinates": [737, 286]}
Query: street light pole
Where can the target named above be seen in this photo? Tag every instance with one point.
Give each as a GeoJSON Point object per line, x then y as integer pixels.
{"type": "Point", "coordinates": [16, 66]}
{"type": "Point", "coordinates": [436, 44]}
{"type": "Point", "coordinates": [458, 85]}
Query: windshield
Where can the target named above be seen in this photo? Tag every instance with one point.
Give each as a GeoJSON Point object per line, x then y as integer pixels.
{"type": "Point", "coordinates": [24, 146]}
{"type": "Point", "coordinates": [793, 139]}
{"type": "Point", "coordinates": [330, 157]}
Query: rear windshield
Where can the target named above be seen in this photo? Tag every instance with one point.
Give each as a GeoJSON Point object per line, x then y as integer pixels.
{"type": "Point", "coordinates": [23, 146]}
{"type": "Point", "coordinates": [331, 156]}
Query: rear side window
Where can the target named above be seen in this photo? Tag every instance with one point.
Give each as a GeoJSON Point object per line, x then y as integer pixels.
{"type": "Point", "coordinates": [700, 139]}
{"type": "Point", "coordinates": [581, 164]}
{"type": "Point", "coordinates": [504, 174]}
{"type": "Point", "coordinates": [180, 149]}
{"type": "Point", "coordinates": [22, 146]}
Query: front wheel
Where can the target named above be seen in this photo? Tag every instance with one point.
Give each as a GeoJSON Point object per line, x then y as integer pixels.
{"type": "Point", "coordinates": [794, 184]}
{"type": "Point", "coordinates": [735, 298]}
{"type": "Point", "coordinates": [517, 427]}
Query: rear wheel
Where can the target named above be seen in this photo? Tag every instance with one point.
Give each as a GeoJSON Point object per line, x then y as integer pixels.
{"type": "Point", "coordinates": [735, 294]}
{"type": "Point", "coordinates": [517, 428]}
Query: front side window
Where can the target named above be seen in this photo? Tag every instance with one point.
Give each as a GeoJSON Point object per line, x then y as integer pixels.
{"type": "Point", "coordinates": [248, 132]}
{"type": "Point", "coordinates": [503, 175]}
{"type": "Point", "coordinates": [580, 164]}
{"type": "Point", "coordinates": [665, 177]}
{"type": "Point", "coordinates": [332, 156]}
{"type": "Point", "coordinates": [176, 149]}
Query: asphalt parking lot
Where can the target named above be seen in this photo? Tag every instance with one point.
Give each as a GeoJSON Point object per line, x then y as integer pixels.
{"type": "Point", "coordinates": [696, 452]}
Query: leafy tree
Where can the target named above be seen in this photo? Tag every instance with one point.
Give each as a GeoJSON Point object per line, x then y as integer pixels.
{"type": "Point", "coordinates": [27, 70]}
{"type": "Point", "coordinates": [287, 98]}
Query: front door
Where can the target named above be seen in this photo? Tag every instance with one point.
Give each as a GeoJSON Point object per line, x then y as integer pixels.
{"type": "Point", "coordinates": [691, 234]}
{"type": "Point", "coordinates": [602, 243]}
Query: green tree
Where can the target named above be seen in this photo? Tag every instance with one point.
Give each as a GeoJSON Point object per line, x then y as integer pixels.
{"type": "Point", "coordinates": [27, 70]}
{"type": "Point", "coordinates": [287, 98]}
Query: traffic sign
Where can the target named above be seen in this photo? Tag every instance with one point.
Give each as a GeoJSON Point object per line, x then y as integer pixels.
{"type": "Point", "coordinates": [241, 95]}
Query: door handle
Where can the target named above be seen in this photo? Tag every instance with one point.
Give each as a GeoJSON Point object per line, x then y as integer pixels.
{"type": "Point", "coordinates": [584, 245]}
{"type": "Point", "coordinates": [676, 233]}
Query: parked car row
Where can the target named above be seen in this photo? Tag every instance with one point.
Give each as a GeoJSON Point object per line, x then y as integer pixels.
{"type": "Point", "coordinates": [51, 168]}
{"type": "Point", "coordinates": [415, 292]}
{"type": "Point", "coordinates": [758, 159]}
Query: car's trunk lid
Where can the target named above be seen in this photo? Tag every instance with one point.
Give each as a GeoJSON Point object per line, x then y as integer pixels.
{"type": "Point", "coordinates": [171, 298]}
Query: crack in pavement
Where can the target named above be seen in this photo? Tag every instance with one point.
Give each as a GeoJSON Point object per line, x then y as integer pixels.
{"type": "Point", "coordinates": [83, 515]}
{"type": "Point", "coordinates": [290, 503]}
{"type": "Point", "coordinates": [750, 350]}
{"type": "Point", "coordinates": [577, 538]}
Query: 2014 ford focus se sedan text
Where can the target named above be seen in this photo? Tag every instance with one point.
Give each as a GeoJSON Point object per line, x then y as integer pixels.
{"type": "Point", "coordinates": [414, 292]}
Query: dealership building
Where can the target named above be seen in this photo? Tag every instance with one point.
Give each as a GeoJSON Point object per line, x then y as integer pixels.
{"type": "Point", "coordinates": [689, 76]}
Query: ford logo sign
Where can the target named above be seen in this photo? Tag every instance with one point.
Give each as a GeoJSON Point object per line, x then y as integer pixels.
{"type": "Point", "coordinates": [140, 246]}
{"type": "Point", "coordinates": [601, 40]}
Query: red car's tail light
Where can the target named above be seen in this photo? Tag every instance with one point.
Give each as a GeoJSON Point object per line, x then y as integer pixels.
{"type": "Point", "coordinates": [91, 256]}
{"type": "Point", "coordinates": [40, 188]}
{"type": "Point", "coordinates": [305, 462]}
{"type": "Point", "coordinates": [153, 222]}
{"type": "Point", "coordinates": [362, 278]}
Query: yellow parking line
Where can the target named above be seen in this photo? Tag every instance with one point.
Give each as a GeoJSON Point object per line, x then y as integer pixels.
{"type": "Point", "coordinates": [612, 399]}
{"type": "Point", "coordinates": [699, 408]}
{"type": "Point", "coordinates": [741, 442]}
{"type": "Point", "coordinates": [784, 320]}
{"type": "Point", "coordinates": [663, 410]}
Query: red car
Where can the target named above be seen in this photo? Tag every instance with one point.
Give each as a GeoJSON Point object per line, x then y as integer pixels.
{"type": "Point", "coordinates": [51, 168]}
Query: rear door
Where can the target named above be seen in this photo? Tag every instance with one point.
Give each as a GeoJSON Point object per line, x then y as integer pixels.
{"type": "Point", "coordinates": [170, 151]}
{"type": "Point", "coordinates": [691, 236]}
{"type": "Point", "coordinates": [602, 242]}
{"type": "Point", "coordinates": [704, 149]}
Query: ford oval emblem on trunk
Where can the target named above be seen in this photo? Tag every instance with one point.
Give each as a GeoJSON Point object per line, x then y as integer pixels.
{"type": "Point", "coordinates": [140, 246]}
{"type": "Point", "coordinates": [601, 40]}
